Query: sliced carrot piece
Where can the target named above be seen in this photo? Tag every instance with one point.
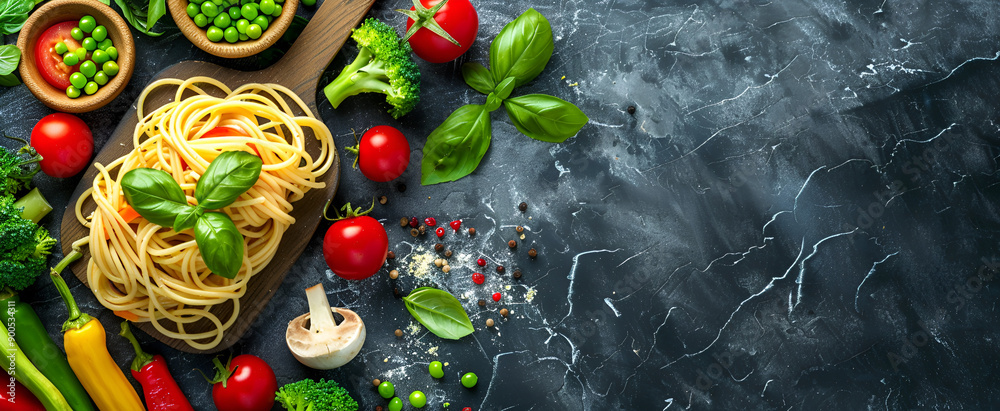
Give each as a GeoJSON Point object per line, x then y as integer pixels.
{"type": "Point", "coordinates": [128, 315]}
{"type": "Point", "coordinates": [128, 214]}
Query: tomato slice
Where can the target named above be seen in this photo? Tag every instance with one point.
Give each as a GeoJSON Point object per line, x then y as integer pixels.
{"type": "Point", "coordinates": [49, 63]}
{"type": "Point", "coordinates": [224, 131]}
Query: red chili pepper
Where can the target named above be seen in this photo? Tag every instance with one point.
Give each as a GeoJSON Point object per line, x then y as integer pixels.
{"type": "Point", "coordinates": [23, 400]}
{"type": "Point", "coordinates": [158, 386]}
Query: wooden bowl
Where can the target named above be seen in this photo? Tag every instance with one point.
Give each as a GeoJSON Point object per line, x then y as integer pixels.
{"type": "Point", "coordinates": [178, 9]}
{"type": "Point", "coordinates": [57, 11]}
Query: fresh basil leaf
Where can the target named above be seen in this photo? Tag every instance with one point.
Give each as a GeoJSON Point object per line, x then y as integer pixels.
{"type": "Point", "coordinates": [231, 174]}
{"type": "Point", "coordinates": [454, 149]}
{"type": "Point", "coordinates": [493, 102]}
{"type": "Point", "coordinates": [545, 118]}
{"type": "Point", "coordinates": [9, 80]}
{"type": "Point", "coordinates": [478, 77]}
{"type": "Point", "coordinates": [154, 195]}
{"type": "Point", "coordinates": [503, 89]}
{"type": "Point", "coordinates": [13, 13]}
{"type": "Point", "coordinates": [188, 218]}
{"type": "Point", "coordinates": [522, 49]}
{"type": "Point", "coordinates": [136, 16]}
{"type": "Point", "coordinates": [9, 57]}
{"type": "Point", "coordinates": [156, 10]}
{"type": "Point", "coordinates": [440, 312]}
{"type": "Point", "coordinates": [220, 243]}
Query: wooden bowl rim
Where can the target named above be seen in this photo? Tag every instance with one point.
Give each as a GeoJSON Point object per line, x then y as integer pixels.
{"type": "Point", "coordinates": [197, 36]}
{"type": "Point", "coordinates": [54, 12]}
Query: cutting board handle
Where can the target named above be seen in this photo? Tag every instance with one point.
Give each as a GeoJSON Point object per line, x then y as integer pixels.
{"type": "Point", "coordinates": [302, 65]}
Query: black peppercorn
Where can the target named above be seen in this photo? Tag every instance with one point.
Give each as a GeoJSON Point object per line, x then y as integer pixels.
{"type": "Point", "coordinates": [482, 303]}
{"type": "Point", "coordinates": [512, 244]}
{"type": "Point", "coordinates": [532, 253]}
{"type": "Point", "coordinates": [523, 207]}
{"type": "Point", "coordinates": [500, 269]}
{"type": "Point", "coordinates": [517, 273]}
{"type": "Point", "coordinates": [438, 247]}
{"type": "Point", "coordinates": [400, 187]}
{"type": "Point", "coordinates": [631, 109]}
{"type": "Point", "coordinates": [390, 255]}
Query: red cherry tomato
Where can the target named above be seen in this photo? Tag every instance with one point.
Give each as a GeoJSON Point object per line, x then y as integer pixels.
{"type": "Point", "coordinates": [355, 248]}
{"type": "Point", "coordinates": [49, 63]}
{"type": "Point", "coordinates": [458, 18]}
{"type": "Point", "coordinates": [383, 153]}
{"type": "Point", "coordinates": [250, 388]}
{"type": "Point", "coordinates": [224, 131]}
{"type": "Point", "coordinates": [65, 143]}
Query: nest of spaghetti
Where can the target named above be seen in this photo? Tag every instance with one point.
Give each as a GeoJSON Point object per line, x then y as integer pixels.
{"type": "Point", "coordinates": [148, 273]}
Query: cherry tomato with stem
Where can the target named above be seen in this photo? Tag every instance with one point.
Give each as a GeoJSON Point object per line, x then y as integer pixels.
{"type": "Point", "coordinates": [356, 245]}
{"type": "Point", "coordinates": [247, 383]}
{"type": "Point", "coordinates": [65, 144]}
{"type": "Point", "coordinates": [441, 30]}
{"type": "Point", "coordinates": [382, 154]}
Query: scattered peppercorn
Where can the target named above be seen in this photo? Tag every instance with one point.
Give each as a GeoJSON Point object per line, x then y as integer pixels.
{"type": "Point", "coordinates": [446, 268]}
{"type": "Point", "coordinates": [447, 253]}
{"type": "Point", "coordinates": [439, 232]}
{"type": "Point", "coordinates": [438, 247]}
{"type": "Point", "coordinates": [378, 408]}
{"type": "Point", "coordinates": [496, 297]}
{"type": "Point", "coordinates": [376, 382]}
{"type": "Point", "coordinates": [481, 262]}
{"type": "Point", "coordinates": [413, 222]}
{"type": "Point", "coordinates": [519, 229]}
{"type": "Point", "coordinates": [482, 303]}
{"type": "Point", "coordinates": [512, 244]}
{"type": "Point", "coordinates": [517, 273]}
{"type": "Point", "coordinates": [383, 199]}
{"type": "Point", "coordinates": [523, 207]}
{"type": "Point", "coordinates": [414, 232]}
{"type": "Point", "coordinates": [455, 225]}
{"type": "Point", "coordinates": [403, 222]}
{"type": "Point", "coordinates": [438, 262]}
{"type": "Point", "coordinates": [430, 221]}
{"type": "Point", "coordinates": [489, 322]}
{"type": "Point", "coordinates": [504, 312]}
{"type": "Point", "coordinates": [396, 293]}
{"type": "Point", "coordinates": [467, 409]}
{"type": "Point", "coordinates": [472, 231]}
{"type": "Point", "coordinates": [423, 229]}
{"type": "Point", "coordinates": [478, 278]}
{"type": "Point", "coordinates": [631, 109]}
{"type": "Point", "coordinates": [500, 269]}
{"type": "Point", "coordinates": [390, 255]}
{"type": "Point", "coordinates": [532, 253]}
{"type": "Point", "coordinates": [399, 333]}
{"type": "Point", "coordinates": [393, 274]}
{"type": "Point", "coordinates": [400, 187]}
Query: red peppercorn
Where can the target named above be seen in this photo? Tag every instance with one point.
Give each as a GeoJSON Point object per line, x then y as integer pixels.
{"type": "Point", "coordinates": [478, 278]}
{"type": "Point", "coordinates": [481, 262]}
{"type": "Point", "coordinates": [496, 297]}
{"type": "Point", "coordinates": [430, 221]}
{"type": "Point", "coordinates": [439, 231]}
{"type": "Point", "coordinates": [467, 409]}
{"type": "Point", "coordinates": [455, 225]}
{"type": "Point", "coordinates": [500, 269]}
{"type": "Point", "coordinates": [413, 222]}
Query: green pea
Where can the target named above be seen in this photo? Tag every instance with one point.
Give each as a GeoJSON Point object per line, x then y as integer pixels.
{"type": "Point", "coordinates": [254, 31]}
{"type": "Point", "coordinates": [469, 380]}
{"type": "Point", "coordinates": [309, 2]}
{"type": "Point", "coordinates": [231, 35]}
{"type": "Point", "coordinates": [88, 68]}
{"type": "Point", "coordinates": [70, 59]}
{"type": "Point", "coordinates": [89, 43]}
{"type": "Point", "coordinates": [100, 56]}
{"type": "Point", "coordinates": [436, 369]}
{"type": "Point", "coordinates": [386, 389]}
{"type": "Point", "coordinates": [81, 53]}
{"type": "Point", "coordinates": [104, 45]}
{"type": "Point", "coordinates": [201, 20]}
{"type": "Point", "coordinates": [248, 11]}
{"type": "Point", "coordinates": [209, 9]}
{"type": "Point", "coordinates": [61, 48]}
{"type": "Point", "coordinates": [72, 92]}
{"type": "Point", "coordinates": [395, 404]}
{"type": "Point", "coordinates": [110, 68]}
{"type": "Point", "coordinates": [193, 10]}
{"type": "Point", "coordinates": [112, 52]}
{"type": "Point", "coordinates": [261, 21]}
{"type": "Point", "coordinates": [222, 20]}
{"type": "Point", "coordinates": [418, 399]}
{"type": "Point", "coordinates": [241, 26]}
{"type": "Point", "coordinates": [244, 37]}
{"type": "Point", "coordinates": [217, 2]}
{"type": "Point", "coordinates": [90, 88]}
{"type": "Point", "coordinates": [277, 10]}
{"type": "Point", "coordinates": [100, 78]}
{"type": "Point", "coordinates": [78, 80]}
{"type": "Point", "coordinates": [77, 34]}
{"type": "Point", "coordinates": [100, 33]}
{"type": "Point", "coordinates": [267, 6]}
{"type": "Point", "coordinates": [214, 34]}
{"type": "Point", "coordinates": [234, 13]}
{"type": "Point", "coordinates": [87, 24]}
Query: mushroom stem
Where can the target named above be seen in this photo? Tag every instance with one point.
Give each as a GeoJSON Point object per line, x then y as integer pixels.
{"type": "Point", "coordinates": [320, 314]}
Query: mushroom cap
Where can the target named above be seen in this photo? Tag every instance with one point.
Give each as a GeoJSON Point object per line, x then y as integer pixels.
{"type": "Point", "coordinates": [328, 349]}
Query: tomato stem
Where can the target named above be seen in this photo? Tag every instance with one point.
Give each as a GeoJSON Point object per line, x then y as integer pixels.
{"type": "Point", "coordinates": [424, 18]}
{"type": "Point", "coordinates": [347, 210]}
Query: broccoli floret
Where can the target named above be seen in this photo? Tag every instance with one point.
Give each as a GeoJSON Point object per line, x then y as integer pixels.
{"type": "Point", "coordinates": [309, 395]}
{"type": "Point", "coordinates": [17, 168]}
{"type": "Point", "coordinates": [24, 246]}
{"type": "Point", "coordinates": [383, 65]}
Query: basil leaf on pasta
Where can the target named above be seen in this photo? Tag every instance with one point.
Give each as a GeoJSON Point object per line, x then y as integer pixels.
{"type": "Point", "coordinates": [220, 244]}
{"type": "Point", "coordinates": [230, 175]}
{"type": "Point", "coordinates": [154, 195]}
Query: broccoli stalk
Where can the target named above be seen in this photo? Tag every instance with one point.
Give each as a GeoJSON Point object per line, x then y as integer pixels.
{"type": "Point", "coordinates": [309, 395]}
{"type": "Point", "coordinates": [383, 65]}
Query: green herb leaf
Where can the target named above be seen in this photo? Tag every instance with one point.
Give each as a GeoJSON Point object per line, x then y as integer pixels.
{"type": "Point", "coordinates": [136, 16]}
{"type": "Point", "coordinates": [454, 149]}
{"type": "Point", "coordinates": [231, 174]}
{"type": "Point", "coordinates": [522, 49]}
{"type": "Point", "coordinates": [503, 89]}
{"type": "Point", "coordinates": [220, 243]}
{"type": "Point", "coordinates": [13, 13]}
{"type": "Point", "coordinates": [545, 118]}
{"type": "Point", "coordinates": [188, 218]}
{"type": "Point", "coordinates": [156, 9]}
{"type": "Point", "coordinates": [440, 312]}
{"type": "Point", "coordinates": [9, 80]}
{"type": "Point", "coordinates": [9, 57]}
{"type": "Point", "coordinates": [478, 77]}
{"type": "Point", "coordinates": [154, 195]}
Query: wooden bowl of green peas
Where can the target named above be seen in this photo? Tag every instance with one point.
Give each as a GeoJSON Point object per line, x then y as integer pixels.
{"type": "Point", "coordinates": [76, 55]}
{"type": "Point", "coordinates": [233, 28]}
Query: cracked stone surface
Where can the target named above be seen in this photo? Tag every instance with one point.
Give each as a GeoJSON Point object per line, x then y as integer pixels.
{"type": "Point", "coordinates": [800, 213]}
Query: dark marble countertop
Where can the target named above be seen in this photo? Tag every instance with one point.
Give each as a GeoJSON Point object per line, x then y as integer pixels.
{"type": "Point", "coordinates": [800, 213]}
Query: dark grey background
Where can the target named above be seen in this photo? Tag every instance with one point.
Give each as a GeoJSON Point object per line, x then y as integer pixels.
{"type": "Point", "coordinates": [800, 214]}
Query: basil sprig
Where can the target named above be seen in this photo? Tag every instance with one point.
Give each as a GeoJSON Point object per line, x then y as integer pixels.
{"type": "Point", "coordinates": [517, 55]}
{"type": "Point", "coordinates": [157, 197]}
{"type": "Point", "coordinates": [440, 312]}
{"type": "Point", "coordinates": [10, 56]}
{"type": "Point", "coordinates": [13, 14]}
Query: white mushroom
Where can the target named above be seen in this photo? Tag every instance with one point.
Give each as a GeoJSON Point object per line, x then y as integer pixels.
{"type": "Point", "coordinates": [324, 344]}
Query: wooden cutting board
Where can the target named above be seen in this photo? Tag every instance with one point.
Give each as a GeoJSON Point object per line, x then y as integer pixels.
{"type": "Point", "coordinates": [299, 70]}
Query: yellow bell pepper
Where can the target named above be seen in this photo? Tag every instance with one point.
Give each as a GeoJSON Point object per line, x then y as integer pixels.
{"type": "Point", "coordinates": [87, 351]}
